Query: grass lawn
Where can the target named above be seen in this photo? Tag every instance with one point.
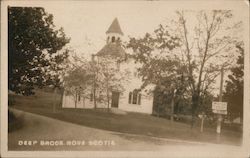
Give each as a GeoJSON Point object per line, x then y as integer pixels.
{"type": "Point", "coordinates": [133, 123]}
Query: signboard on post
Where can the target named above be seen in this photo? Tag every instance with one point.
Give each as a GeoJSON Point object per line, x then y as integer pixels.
{"type": "Point", "coordinates": [219, 107]}
{"type": "Point", "coordinates": [224, 112]}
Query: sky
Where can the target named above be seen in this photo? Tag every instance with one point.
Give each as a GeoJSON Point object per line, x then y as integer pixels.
{"type": "Point", "coordinates": [86, 22]}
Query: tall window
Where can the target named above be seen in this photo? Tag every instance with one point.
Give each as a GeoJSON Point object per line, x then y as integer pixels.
{"type": "Point", "coordinates": [134, 101]}
{"type": "Point", "coordinates": [91, 97]}
{"type": "Point", "coordinates": [79, 97]}
{"type": "Point", "coordinates": [134, 97]}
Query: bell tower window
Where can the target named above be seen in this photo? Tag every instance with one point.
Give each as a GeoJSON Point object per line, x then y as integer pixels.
{"type": "Point", "coordinates": [113, 39]}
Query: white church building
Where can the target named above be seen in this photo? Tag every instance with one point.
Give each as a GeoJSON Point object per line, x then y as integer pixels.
{"type": "Point", "coordinates": [131, 97]}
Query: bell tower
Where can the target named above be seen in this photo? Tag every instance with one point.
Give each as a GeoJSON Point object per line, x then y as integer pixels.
{"type": "Point", "coordinates": [113, 46]}
{"type": "Point", "coordinates": [114, 33]}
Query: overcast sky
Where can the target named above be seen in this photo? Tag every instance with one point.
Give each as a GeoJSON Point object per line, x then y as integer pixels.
{"type": "Point", "coordinates": [86, 22]}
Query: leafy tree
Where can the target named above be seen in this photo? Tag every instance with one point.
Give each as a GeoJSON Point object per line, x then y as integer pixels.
{"type": "Point", "coordinates": [234, 86]}
{"type": "Point", "coordinates": [161, 66]}
{"type": "Point", "coordinates": [35, 49]}
{"type": "Point", "coordinates": [194, 46]}
{"type": "Point", "coordinates": [76, 83]}
{"type": "Point", "coordinates": [111, 77]}
{"type": "Point", "coordinates": [212, 38]}
{"type": "Point", "coordinates": [98, 77]}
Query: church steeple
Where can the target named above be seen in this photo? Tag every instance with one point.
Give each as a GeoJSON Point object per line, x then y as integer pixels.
{"type": "Point", "coordinates": [115, 27]}
{"type": "Point", "coordinates": [113, 46]}
{"type": "Point", "coordinates": [114, 32]}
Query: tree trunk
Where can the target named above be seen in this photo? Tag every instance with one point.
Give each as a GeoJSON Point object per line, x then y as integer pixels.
{"type": "Point", "coordinates": [172, 106]}
{"type": "Point", "coordinates": [172, 109]}
{"type": "Point", "coordinates": [61, 98]}
{"type": "Point", "coordinates": [94, 95]}
{"type": "Point", "coordinates": [75, 97]}
{"type": "Point", "coordinates": [108, 99]}
{"type": "Point", "coordinates": [195, 102]}
{"type": "Point", "coordinates": [55, 100]}
{"type": "Point", "coordinates": [107, 84]}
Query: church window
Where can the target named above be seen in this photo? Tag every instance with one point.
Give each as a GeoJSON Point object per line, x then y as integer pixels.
{"type": "Point", "coordinates": [108, 39]}
{"type": "Point", "coordinates": [91, 97]}
{"type": "Point", "coordinates": [79, 97]}
{"type": "Point", "coordinates": [113, 39]}
{"type": "Point", "coordinates": [134, 97]}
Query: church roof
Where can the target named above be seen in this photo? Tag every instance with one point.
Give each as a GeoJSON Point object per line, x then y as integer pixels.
{"type": "Point", "coordinates": [115, 27]}
{"type": "Point", "coordinates": [112, 49]}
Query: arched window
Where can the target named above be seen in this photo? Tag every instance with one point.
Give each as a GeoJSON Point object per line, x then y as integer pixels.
{"type": "Point", "coordinates": [134, 97]}
{"type": "Point", "coordinates": [108, 39]}
{"type": "Point", "coordinates": [135, 93]}
{"type": "Point", "coordinates": [79, 97]}
{"type": "Point", "coordinates": [113, 39]}
{"type": "Point", "coordinates": [91, 97]}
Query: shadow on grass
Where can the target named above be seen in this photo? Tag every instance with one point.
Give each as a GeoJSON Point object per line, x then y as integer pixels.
{"type": "Point", "coordinates": [14, 122]}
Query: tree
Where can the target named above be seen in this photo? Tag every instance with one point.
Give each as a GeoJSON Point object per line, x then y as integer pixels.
{"type": "Point", "coordinates": [234, 86]}
{"type": "Point", "coordinates": [196, 43]}
{"type": "Point", "coordinates": [77, 81]}
{"type": "Point", "coordinates": [98, 77]}
{"type": "Point", "coordinates": [212, 38]}
{"type": "Point", "coordinates": [160, 65]}
{"type": "Point", "coordinates": [111, 77]}
{"type": "Point", "coordinates": [35, 49]}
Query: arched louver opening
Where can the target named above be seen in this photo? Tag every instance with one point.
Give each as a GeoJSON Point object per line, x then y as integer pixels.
{"type": "Point", "coordinates": [113, 39]}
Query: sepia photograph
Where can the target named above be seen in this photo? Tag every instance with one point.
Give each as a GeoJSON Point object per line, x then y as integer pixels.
{"type": "Point", "coordinates": [125, 79]}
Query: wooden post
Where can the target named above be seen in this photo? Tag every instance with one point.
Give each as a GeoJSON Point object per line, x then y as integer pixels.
{"type": "Point", "coordinates": [218, 129]}
{"type": "Point", "coordinates": [202, 122]}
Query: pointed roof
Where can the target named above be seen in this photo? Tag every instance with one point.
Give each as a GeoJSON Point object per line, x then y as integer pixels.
{"type": "Point", "coordinates": [115, 27]}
